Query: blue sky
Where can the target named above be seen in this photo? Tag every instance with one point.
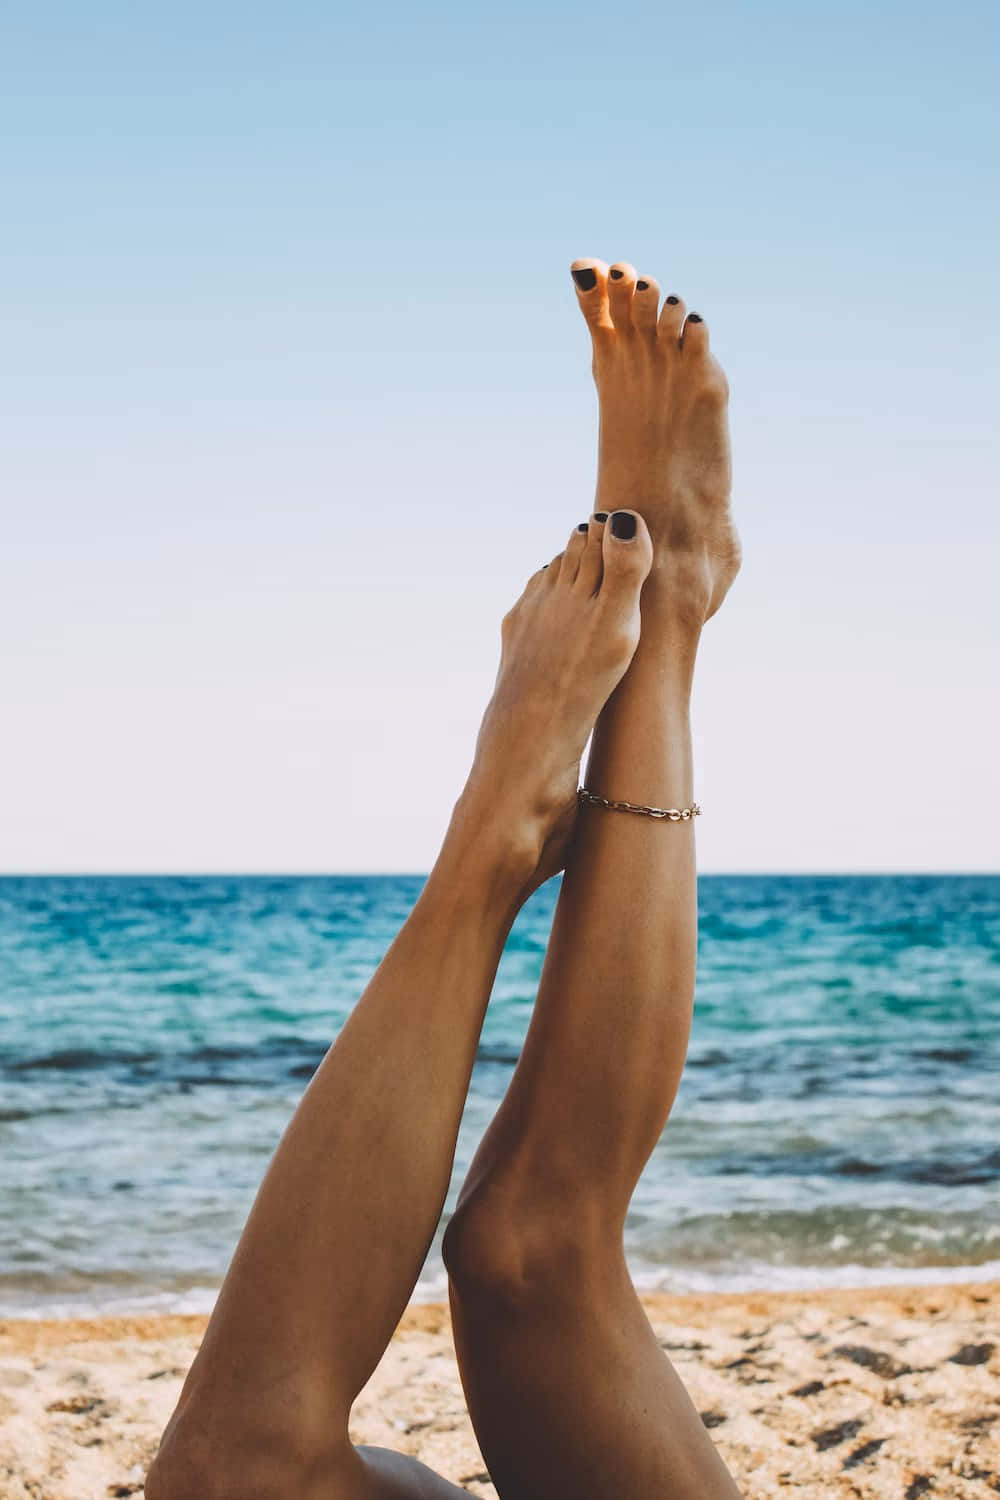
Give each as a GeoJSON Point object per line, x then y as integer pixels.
{"type": "Point", "coordinates": [295, 395]}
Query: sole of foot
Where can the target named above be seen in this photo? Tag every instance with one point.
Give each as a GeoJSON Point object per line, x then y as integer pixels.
{"type": "Point", "coordinates": [565, 646]}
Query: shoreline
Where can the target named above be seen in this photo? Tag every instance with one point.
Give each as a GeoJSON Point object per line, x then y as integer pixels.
{"type": "Point", "coordinates": [877, 1392]}
{"type": "Point", "coordinates": [795, 1281]}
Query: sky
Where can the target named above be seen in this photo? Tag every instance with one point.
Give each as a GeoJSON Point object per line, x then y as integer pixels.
{"type": "Point", "coordinates": [295, 396]}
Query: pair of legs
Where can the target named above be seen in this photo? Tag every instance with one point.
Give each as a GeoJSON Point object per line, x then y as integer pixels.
{"type": "Point", "coordinates": [568, 1389]}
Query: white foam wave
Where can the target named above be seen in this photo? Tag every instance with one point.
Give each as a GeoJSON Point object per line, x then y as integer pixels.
{"type": "Point", "coordinates": [763, 1277]}
{"type": "Point", "coordinates": [433, 1287]}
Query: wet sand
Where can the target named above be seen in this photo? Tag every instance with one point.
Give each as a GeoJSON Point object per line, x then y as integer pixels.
{"type": "Point", "coordinates": [873, 1393]}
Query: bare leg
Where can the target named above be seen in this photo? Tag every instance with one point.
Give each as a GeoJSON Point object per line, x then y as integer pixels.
{"type": "Point", "coordinates": [346, 1211]}
{"type": "Point", "coordinates": [567, 1386]}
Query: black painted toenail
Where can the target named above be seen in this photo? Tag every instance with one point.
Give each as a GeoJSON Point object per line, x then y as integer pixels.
{"type": "Point", "coordinates": [616, 275]}
{"type": "Point", "coordinates": [586, 278]}
{"type": "Point", "coordinates": [600, 515]}
{"type": "Point", "coordinates": [642, 286]}
{"type": "Point", "coordinates": [623, 526]}
{"type": "Point", "coordinates": [583, 526]}
{"type": "Point", "coordinates": [672, 301]}
{"type": "Point", "coordinates": [695, 318]}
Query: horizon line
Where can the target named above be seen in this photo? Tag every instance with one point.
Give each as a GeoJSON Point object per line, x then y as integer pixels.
{"type": "Point", "coordinates": [408, 874]}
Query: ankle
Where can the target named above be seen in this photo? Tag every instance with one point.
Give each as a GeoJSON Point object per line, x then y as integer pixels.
{"type": "Point", "coordinates": [677, 596]}
{"type": "Point", "coordinates": [506, 837]}
{"type": "Point", "coordinates": [490, 856]}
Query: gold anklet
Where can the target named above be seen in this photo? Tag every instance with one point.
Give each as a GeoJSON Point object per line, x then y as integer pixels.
{"type": "Point", "coordinates": [674, 814]}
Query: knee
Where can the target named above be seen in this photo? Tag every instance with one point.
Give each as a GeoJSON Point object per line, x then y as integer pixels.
{"type": "Point", "coordinates": [197, 1471]}
{"type": "Point", "coordinates": [478, 1250]}
{"type": "Point", "coordinates": [226, 1477]}
{"type": "Point", "coordinates": [180, 1473]}
{"type": "Point", "coordinates": [201, 1461]}
{"type": "Point", "coordinates": [500, 1250]}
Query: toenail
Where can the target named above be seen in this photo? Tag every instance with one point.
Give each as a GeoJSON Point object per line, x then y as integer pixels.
{"type": "Point", "coordinates": [623, 525]}
{"type": "Point", "coordinates": [586, 278]}
{"type": "Point", "coordinates": [583, 526]}
{"type": "Point", "coordinates": [642, 286]}
{"type": "Point", "coordinates": [616, 275]}
{"type": "Point", "coordinates": [672, 301]}
{"type": "Point", "coordinates": [600, 515]}
{"type": "Point", "coordinates": [695, 318]}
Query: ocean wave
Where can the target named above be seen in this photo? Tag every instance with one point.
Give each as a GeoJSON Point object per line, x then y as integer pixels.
{"type": "Point", "coordinates": [178, 1064]}
{"type": "Point", "coordinates": [78, 1059]}
{"type": "Point", "coordinates": [959, 1168]}
{"type": "Point", "coordinates": [764, 1276]}
{"type": "Point", "coordinates": [811, 1064]}
{"type": "Point", "coordinates": [199, 1298]}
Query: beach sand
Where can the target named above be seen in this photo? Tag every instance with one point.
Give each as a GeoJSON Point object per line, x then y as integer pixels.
{"type": "Point", "coordinates": [876, 1392]}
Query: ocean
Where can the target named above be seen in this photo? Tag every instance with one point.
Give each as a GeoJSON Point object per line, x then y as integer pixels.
{"type": "Point", "coordinates": [838, 1121]}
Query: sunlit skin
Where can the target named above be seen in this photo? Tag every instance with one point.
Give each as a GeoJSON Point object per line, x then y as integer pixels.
{"type": "Point", "coordinates": [569, 1392]}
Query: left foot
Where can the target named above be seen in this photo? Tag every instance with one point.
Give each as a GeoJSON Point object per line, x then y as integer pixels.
{"type": "Point", "coordinates": [566, 645]}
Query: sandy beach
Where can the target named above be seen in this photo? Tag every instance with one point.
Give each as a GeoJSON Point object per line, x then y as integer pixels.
{"type": "Point", "coordinates": [876, 1393]}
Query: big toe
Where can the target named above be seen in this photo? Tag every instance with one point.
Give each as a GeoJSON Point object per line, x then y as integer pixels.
{"type": "Point", "coordinates": [627, 556]}
{"type": "Point", "coordinates": [590, 277]}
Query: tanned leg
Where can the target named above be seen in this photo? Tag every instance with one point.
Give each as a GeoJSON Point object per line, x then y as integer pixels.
{"type": "Point", "coordinates": [568, 1388]}
{"type": "Point", "coordinates": [343, 1219]}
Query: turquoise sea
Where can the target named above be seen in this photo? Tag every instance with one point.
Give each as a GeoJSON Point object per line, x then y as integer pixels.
{"type": "Point", "coordinates": [839, 1118]}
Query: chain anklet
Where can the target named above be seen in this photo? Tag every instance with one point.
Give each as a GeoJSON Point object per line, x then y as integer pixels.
{"type": "Point", "coordinates": [673, 814]}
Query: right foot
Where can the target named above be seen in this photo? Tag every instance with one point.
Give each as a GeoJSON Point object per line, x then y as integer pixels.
{"type": "Point", "coordinates": [566, 645]}
{"type": "Point", "coordinates": [664, 436]}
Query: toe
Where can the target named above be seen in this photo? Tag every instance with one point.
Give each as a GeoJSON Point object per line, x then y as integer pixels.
{"type": "Point", "coordinates": [590, 277]}
{"type": "Point", "coordinates": [627, 554]}
{"type": "Point", "coordinates": [575, 548]}
{"type": "Point", "coordinates": [591, 568]}
{"type": "Point", "coordinates": [694, 336]}
{"type": "Point", "coordinates": [671, 320]}
{"type": "Point", "coordinates": [645, 301]}
{"type": "Point", "coordinates": [621, 285]}
{"type": "Point", "coordinates": [549, 572]}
